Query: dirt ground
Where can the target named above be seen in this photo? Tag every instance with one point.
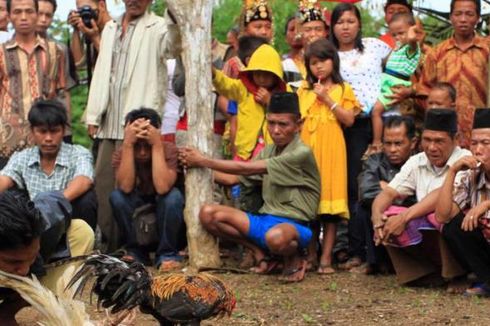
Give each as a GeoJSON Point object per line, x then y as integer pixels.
{"type": "Point", "coordinates": [339, 299]}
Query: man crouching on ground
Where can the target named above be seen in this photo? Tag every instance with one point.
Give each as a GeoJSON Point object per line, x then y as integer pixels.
{"type": "Point", "coordinates": [290, 191]}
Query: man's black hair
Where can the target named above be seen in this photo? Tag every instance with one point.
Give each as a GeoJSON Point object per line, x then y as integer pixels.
{"type": "Point", "coordinates": [9, 5]}
{"type": "Point", "coordinates": [144, 113]}
{"type": "Point", "coordinates": [49, 113]}
{"type": "Point", "coordinates": [247, 46]}
{"type": "Point", "coordinates": [476, 2]}
{"type": "Point", "coordinates": [397, 121]}
{"type": "Point", "coordinates": [448, 88]}
{"type": "Point", "coordinates": [20, 221]}
{"type": "Point", "coordinates": [397, 2]}
{"type": "Point", "coordinates": [53, 3]}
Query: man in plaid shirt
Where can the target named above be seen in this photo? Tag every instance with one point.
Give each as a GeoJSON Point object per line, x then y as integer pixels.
{"type": "Point", "coordinates": [53, 165]}
{"type": "Point", "coordinates": [464, 206]}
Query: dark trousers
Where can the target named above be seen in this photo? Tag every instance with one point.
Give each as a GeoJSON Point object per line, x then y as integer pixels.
{"type": "Point", "coordinates": [357, 139]}
{"type": "Point", "coordinates": [374, 254]}
{"type": "Point", "coordinates": [470, 248]}
{"type": "Point", "coordinates": [3, 162]}
{"type": "Point", "coordinates": [170, 222]}
{"type": "Point", "coordinates": [85, 208]}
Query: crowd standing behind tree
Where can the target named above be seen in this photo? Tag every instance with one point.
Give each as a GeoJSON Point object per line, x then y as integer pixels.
{"type": "Point", "coordinates": [293, 144]}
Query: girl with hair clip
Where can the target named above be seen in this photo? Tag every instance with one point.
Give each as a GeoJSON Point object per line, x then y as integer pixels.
{"type": "Point", "coordinates": [327, 105]}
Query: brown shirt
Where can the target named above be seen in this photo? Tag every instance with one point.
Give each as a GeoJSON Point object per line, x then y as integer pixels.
{"type": "Point", "coordinates": [144, 178]}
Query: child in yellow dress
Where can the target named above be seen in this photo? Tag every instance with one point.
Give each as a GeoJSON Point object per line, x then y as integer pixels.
{"type": "Point", "coordinates": [327, 105]}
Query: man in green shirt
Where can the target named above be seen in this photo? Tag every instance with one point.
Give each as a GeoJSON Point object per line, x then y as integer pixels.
{"type": "Point", "coordinates": [290, 183]}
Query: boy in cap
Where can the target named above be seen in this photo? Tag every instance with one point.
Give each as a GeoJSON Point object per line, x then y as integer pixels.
{"type": "Point", "coordinates": [464, 204]}
{"type": "Point", "coordinates": [289, 203]}
{"type": "Point", "coordinates": [413, 253]}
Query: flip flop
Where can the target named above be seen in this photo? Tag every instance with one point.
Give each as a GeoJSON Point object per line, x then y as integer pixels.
{"type": "Point", "coordinates": [287, 273]}
{"type": "Point", "coordinates": [478, 290]}
{"type": "Point", "coordinates": [329, 269]}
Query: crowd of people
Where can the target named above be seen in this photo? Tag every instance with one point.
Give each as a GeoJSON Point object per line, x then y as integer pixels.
{"type": "Point", "coordinates": [347, 153]}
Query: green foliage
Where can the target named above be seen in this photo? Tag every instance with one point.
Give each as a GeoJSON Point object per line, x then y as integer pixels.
{"type": "Point", "coordinates": [79, 97]}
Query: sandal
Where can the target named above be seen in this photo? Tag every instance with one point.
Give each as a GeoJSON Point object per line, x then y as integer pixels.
{"type": "Point", "coordinates": [287, 274]}
{"type": "Point", "coordinates": [170, 266]}
{"type": "Point", "coordinates": [351, 263]}
{"type": "Point", "coordinates": [325, 269]}
{"type": "Point", "coordinates": [478, 290]}
{"type": "Point", "coordinates": [272, 265]}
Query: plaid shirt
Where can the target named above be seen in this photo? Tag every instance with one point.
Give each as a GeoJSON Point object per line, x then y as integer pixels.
{"type": "Point", "coordinates": [24, 168]}
{"type": "Point", "coordinates": [470, 189]}
{"type": "Point", "coordinates": [402, 61]}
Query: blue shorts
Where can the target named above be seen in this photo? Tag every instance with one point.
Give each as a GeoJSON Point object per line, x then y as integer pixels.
{"type": "Point", "coordinates": [261, 223]}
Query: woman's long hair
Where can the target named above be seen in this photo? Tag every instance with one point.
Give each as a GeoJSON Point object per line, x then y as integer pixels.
{"type": "Point", "coordinates": [338, 11]}
{"type": "Point", "coordinates": [323, 49]}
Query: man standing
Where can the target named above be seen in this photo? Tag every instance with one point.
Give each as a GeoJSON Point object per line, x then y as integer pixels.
{"type": "Point", "coordinates": [30, 68]}
{"type": "Point", "coordinates": [464, 206]}
{"type": "Point", "coordinates": [415, 254]}
{"type": "Point", "coordinates": [290, 183]}
{"type": "Point", "coordinates": [461, 61]}
{"type": "Point", "coordinates": [146, 174]}
{"type": "Point", "coordinates": [130, 73]}
{"type": "Point", "coordinates": [399, 141]}
{"type": "Point", "coordinates": [47, 9]}
{"type": "Point", "coordinates": [92, 33]}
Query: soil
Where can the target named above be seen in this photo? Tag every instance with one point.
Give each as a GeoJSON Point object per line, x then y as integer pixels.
{"type": "Point", "coordinates": [338, 299]}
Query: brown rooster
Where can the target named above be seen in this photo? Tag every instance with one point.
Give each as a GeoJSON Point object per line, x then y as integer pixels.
{"type": "Point", "coordinates": [169, 298]}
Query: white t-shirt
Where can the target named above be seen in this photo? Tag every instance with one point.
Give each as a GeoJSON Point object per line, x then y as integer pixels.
{"type": "Point", "coordinates": [172, 105]}
{"type": "Point", "coordinates": [5, 36]}
{"type": "Point", "coordinates": [363, 70]}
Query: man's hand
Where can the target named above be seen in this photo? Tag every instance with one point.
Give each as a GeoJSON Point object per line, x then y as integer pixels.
{"type": "Point", "coordinates": [394, 226]}
{"type": "Point", "coordinates": [92, 131]}
{"type": "Point", "coordinates": [74, 19]}
{"type": "Point", "coordinates": [378, 225]}
{"type": "Point", "coordinates": [383, 184]}
{"type": "Point", "coordinates": [138, 129]}
{"type": "Point", "coordinates": [465, 163]}
{"type": "Point", "coordinates": [91, 32]}
{"type": "Point", "coordinates": [190, 157]}
{"type": "Point", "coordinates": [153, 136]}
{"type": "Point", "coordinates": [263, 96]}
{"type": "Point", "coordinates": [400, 93]}
{"type": "Point", "coordinates": [470, 221]}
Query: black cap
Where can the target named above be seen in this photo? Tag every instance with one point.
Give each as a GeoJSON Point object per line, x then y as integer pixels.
{"type": "Point", "coordinates": [284, 102]}
{"type": "Point", "coordinates": [441, 120]}
{"type": "Point", "coordinates": [398, 2]}
{"type": "Point", "coordinates": [482, 118]}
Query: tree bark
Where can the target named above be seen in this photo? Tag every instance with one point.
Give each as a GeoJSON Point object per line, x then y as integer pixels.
{"type": "Point", "coordinates": [194, 20]}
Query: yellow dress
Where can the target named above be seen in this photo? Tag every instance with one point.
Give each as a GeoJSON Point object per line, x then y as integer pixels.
{"type": "Point", "coordinates": [323, 133]}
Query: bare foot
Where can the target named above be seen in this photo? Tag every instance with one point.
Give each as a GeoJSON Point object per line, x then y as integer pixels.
{"type": "Point", "coordinates": [294, 269]}
{"type": "Point", "coordinates": [325, 269]}
{"type": "Point", "coordinates": [458, 285]}
{"type": "Point", "coordinates": [265, 265]}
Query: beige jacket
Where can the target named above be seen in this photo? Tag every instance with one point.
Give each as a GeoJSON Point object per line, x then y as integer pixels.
{"type": "Point", "coordinates": [146, 83]}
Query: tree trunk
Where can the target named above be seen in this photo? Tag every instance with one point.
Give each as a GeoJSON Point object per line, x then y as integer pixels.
{"type": "Point", "coordinates": [194, 19]}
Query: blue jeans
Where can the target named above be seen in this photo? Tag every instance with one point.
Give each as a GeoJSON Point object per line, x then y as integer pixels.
{"type": "Point", "coordinates": [169, 218]}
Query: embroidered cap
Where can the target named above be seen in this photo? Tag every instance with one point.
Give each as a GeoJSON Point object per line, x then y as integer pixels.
{"type": "Point", "coordinates": [310, 10]}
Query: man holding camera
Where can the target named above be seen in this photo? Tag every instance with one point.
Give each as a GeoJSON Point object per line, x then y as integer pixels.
{"type": "Point", "coordinates": [130, 73]}
{"type": "Point", "coordinates": [89, 19]}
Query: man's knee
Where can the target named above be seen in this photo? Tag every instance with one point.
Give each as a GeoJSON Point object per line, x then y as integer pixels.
{"type": "Point", "coordinates": [207, 215]}
{"type": "Point", "coordinates": [173, 199]}
{"type": "Point", "coordinates": [80, 237]}
{"type": "Point", "coordinates": [278, 240]}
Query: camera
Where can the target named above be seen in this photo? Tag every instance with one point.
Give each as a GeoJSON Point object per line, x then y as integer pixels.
{"type": "Point", "coordinates": [87, 14]}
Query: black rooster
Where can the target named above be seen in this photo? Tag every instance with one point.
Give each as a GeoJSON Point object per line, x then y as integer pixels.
{"type": "Point", "coordinates": [169, 298]}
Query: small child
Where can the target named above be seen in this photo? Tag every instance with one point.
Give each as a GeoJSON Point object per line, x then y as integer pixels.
{"type": "Point", "coordinates": [442, 96]}
{"type": "Point", "coordinates": [401, 65]}
{"type": "Point", "coordinates": [327, 105]}
{"type": "Point", "coordinates": [252, 91]}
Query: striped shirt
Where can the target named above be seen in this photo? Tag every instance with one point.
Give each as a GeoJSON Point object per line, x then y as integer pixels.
{"type": "Point", "coordinates": [402, 61]}
{"type": "Point", "coordinates": [25, 78]}
{"type": "Point", "coordinates": [465, 69]}
{"type": "Point", "coordinates": [24, 168]}
{"type": "Point", "coordinates": [111, 127]}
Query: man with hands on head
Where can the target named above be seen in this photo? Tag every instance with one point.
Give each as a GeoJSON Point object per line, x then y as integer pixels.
{"type": "Point", "coordinates": [464, 204]}
{"type": "Point", "coordinates": [146, 173]}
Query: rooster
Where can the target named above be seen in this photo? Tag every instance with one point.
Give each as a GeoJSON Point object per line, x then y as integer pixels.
{"type": "Point", "coordinates": [169, 298]}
